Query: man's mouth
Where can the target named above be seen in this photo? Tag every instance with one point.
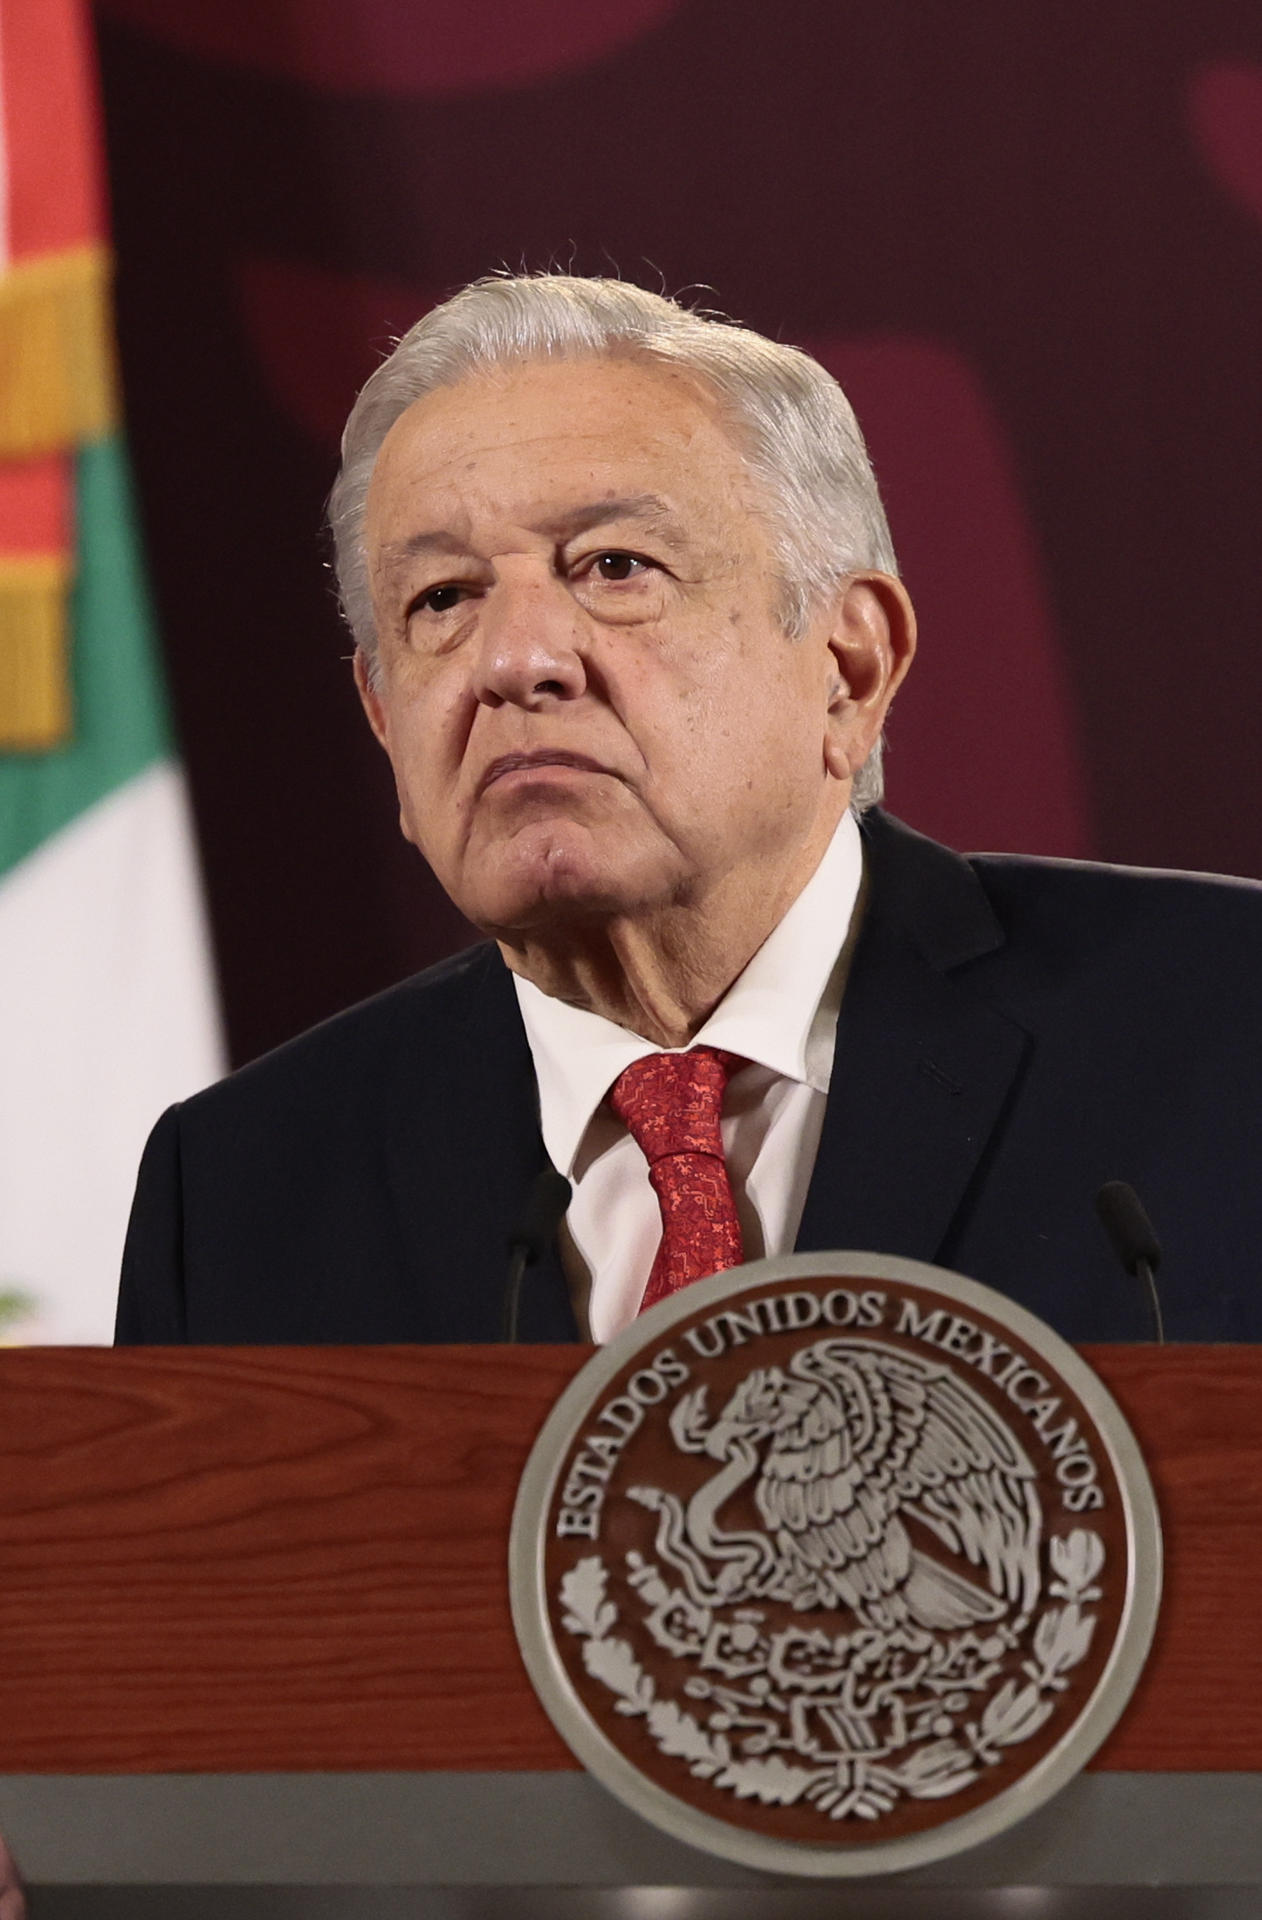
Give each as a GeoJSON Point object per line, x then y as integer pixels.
{"type": "Point", "coordinates": [538, 762]}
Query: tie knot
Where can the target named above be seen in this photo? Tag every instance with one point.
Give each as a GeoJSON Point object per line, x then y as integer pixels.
{"type": "Point", "coordinates": [673, 1102]}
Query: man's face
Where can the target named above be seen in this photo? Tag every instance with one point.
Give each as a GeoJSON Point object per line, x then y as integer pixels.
{"type": "Point", "coordinates": [588, 701]}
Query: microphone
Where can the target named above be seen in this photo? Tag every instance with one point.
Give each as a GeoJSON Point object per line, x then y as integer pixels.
{"type": "Point", "coordinates": [1133, 1239]}
{"type": "Point", "coordinates": [545, 1203]}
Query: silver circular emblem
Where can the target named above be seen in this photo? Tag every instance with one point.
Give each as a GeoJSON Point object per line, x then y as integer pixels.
{"type": "Point", "coordinates": [835, 1564]}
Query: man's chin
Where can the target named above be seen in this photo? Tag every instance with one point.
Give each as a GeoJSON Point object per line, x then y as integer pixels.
{"type": "Point", "coordinates": [561, 888]}
{"type": "Point", "coordinates": [554, 910]}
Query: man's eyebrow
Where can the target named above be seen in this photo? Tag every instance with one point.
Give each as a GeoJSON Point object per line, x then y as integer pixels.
{"type": "Point", "coordinates": [648, 508]}
{"type": "Point", "coordinates": [439, 540]}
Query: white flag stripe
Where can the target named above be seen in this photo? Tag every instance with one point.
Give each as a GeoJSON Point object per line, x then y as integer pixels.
{"type": "Point", "coordinates": [109, 1014]}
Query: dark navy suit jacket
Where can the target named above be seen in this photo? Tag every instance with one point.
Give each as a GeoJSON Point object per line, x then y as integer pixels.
{"type": "Point", "coordinates": [1014, 1032]}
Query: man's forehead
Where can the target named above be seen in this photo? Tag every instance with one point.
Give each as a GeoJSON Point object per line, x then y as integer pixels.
{"type": "Point", "coordinates": [556, 448]}
{"type": "Point", "coordinates": [615, 417]}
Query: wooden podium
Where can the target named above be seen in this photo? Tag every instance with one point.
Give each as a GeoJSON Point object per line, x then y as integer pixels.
{"type": "Point", "coordinates": [218, 1564]}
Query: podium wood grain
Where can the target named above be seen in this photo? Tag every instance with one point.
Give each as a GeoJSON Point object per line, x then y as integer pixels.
{"type": "Point", "coordinates": [253, 1559]}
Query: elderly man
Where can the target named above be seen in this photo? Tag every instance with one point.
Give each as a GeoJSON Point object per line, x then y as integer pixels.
{"type": "Point", "coordinates": [628, 626]}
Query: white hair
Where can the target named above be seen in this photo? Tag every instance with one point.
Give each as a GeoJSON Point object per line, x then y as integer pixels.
{"type": "Point", "coordinates": [789, 418]}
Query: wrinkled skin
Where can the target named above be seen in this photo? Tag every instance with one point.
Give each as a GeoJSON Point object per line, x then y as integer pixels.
{"type": "Point", "coordinates": [613, 757]}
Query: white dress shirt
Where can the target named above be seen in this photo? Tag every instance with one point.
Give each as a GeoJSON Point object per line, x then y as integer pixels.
{"type": "Point", "coordinates": [781, 1016]}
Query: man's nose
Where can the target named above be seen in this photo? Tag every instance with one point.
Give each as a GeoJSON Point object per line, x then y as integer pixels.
{"type": "Point", "coordinates": [532, 645]}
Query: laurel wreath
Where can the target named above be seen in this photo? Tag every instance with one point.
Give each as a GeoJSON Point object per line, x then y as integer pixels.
{"type": "Point", "coordinates": [854, 1787]}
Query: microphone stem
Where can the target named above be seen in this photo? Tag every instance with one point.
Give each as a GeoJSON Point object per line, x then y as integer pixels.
{"type": "Point", "coordinates": [1143, 1270]}
{"type": "Point", "coordinates": [512, 1293]}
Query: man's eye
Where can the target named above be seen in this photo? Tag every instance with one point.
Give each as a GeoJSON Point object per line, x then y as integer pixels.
{"type": "Point", "coordinates": [437, 600]}
{"type": "Point", "coordinates": [617, 565]}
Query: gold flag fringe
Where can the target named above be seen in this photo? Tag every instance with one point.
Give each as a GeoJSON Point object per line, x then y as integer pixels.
{"type": "Point", "coordinates": [57, 384]}
{"type": "Point", "coordinates": [34, 654]}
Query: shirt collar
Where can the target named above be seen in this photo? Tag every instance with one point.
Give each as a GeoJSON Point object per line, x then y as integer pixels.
{"type": "Point", "coordinates": [776, 1012]}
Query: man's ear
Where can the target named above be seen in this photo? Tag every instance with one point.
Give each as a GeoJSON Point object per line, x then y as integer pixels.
{"type": "Point", "coordinates": [370, 699]}
{"type": "Point", "coordinates": [872, 641]}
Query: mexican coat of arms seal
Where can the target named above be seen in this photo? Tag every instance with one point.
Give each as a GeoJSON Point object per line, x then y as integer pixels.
{"type": "Point", "coordinates": [835, 1564]}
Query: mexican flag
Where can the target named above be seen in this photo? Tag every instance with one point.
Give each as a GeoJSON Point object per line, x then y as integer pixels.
{"type": "Point", "coordinates": [107, 1002]}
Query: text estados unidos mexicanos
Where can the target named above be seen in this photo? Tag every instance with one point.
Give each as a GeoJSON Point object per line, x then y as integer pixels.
{"type": "Point", "coordinates": [583, 1494]}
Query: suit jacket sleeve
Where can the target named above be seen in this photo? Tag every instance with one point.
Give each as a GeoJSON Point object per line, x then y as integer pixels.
{"type": "Point", "coordinates": [151, 1295]}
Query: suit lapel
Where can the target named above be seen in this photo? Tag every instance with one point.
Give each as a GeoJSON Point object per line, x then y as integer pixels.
{"type": "Point", "coordinates": [922, 1068]}
{"type": "Point", "coordinates": [463, 1153]}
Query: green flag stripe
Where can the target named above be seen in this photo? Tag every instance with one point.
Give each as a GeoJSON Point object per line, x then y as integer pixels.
{"type": "Point", "coordinates": [120, 722]}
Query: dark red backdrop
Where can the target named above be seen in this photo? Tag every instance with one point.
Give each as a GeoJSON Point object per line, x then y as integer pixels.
{"type": "Point", "coordinates": [1027, 239]}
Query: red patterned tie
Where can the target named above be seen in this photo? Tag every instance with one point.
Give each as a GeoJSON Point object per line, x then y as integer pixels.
{"type": "Point", "coordinates": [671, 1103]}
